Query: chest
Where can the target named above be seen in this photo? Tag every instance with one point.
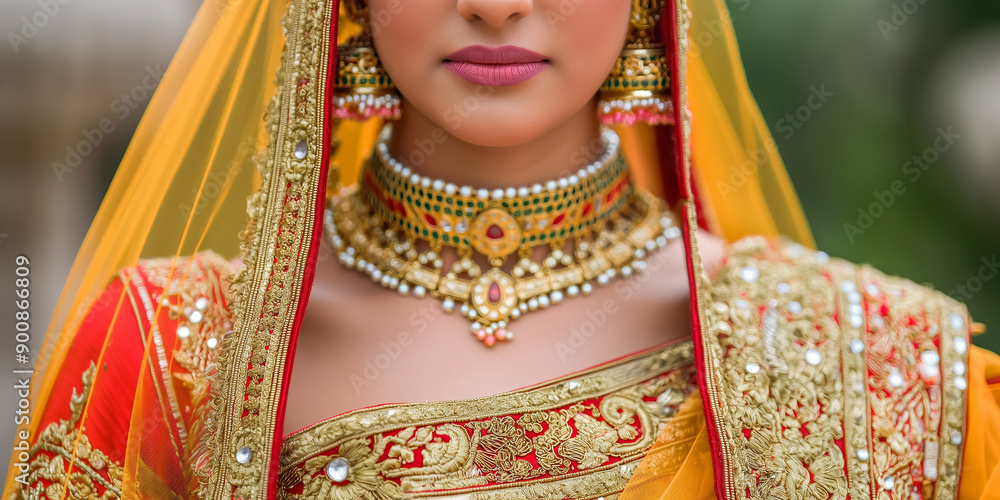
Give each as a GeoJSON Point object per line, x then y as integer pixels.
{"type": "Point", "coordinates": [578, 436]}
{"type": "Point", "coordinates": [361, 345]}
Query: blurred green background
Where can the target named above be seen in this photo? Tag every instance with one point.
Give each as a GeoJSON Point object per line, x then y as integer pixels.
{"type": "Point", "coordinates": [898, 72]}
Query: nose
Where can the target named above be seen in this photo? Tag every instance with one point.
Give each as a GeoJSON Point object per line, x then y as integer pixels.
{"type": "Point", "coordinates": [494, 12]}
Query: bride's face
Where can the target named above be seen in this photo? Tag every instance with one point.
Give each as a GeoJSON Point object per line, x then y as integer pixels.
{"type": "Point", "coordinates": [498, 72]}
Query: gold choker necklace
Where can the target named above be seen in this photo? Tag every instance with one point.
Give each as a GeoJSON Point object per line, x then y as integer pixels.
{"type": "Point", "coordinates": [395, 224]}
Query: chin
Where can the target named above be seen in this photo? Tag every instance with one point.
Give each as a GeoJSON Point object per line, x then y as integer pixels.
{"type": "Point", "coordinates": [503, 124]}
{"type": "Point", "coordinates": [497, 130]}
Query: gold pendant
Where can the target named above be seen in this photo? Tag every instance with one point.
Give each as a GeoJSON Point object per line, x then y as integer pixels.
{"type": "Point", "coordinates": [395, 224]}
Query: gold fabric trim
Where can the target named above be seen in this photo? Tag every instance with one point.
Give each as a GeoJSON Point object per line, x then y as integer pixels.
{"type": "Point", "coordinates": [683, 20]}
{"type": "Point", "coordinates": [157, 362]}
{"type": "Point", "coordinates": [856, 411]}
{"type": "Point", "coordinates": [811, 352]}
{"type": "Point", "coordinates": [93, 474]}
{"type": "Point", "coordinates": [579, 436]}
{"type": "Point", "coordinates": [195, 295]}
{"type": "Point", "coordinates": [953, 419]}
{"type": "Point", "coordinates": [266, 292]}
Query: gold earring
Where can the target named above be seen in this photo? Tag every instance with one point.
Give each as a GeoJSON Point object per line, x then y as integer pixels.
{"type": "Point", "coordinates": [638, 88]}
{"type": "Point", "coordinates": [362, 87]}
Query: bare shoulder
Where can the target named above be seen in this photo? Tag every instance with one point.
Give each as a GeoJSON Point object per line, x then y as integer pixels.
{"type": "Point", "coordinates": [666, 270]}
{"type": "Point", "coordinates": [712, 248]}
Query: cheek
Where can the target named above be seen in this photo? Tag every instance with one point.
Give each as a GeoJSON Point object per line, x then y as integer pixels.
{"type": "Point", "coordinates": [395, 24]}
{"type": "Point", "coordinates": [593, 36]}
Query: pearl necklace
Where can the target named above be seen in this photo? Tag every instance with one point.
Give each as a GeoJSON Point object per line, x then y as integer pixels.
{"type": "Point", "coordinates": [394, 225]}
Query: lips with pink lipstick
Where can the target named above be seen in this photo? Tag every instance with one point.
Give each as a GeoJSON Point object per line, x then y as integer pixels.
{"type": "Point", "coordinates": [496, 67]}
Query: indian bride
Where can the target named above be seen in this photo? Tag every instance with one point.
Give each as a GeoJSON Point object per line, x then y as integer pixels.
{"type": "Point", "coordinates": [484, 249]}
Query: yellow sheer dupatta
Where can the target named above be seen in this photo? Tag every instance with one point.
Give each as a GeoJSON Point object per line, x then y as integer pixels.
{"type": "Point", "coordinates": [181, 189]}
{"type": "Point", "coordinates": [737, 169]}
{"type": "Point", "coordinates": [183, 183]}
{"type": "Point", "coordinates": [981, 461]}
{"type": "Point", "coordinates": [679, 464]}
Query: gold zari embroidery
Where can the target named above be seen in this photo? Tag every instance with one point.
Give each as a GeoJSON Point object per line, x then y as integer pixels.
{"type": "Point", "coordinates": [195, 295]}
{"type": "Point", "coordinates": [819, 364]}
{"type": "Point", "coordinates": [577, 437]}
{"type": "Point", "coordinates": [91, 473]}
{"type": "Point", "coordinates": [266, 292]}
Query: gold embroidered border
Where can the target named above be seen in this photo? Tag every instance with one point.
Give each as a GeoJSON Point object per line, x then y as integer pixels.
{"type": "Point", "coordinates": [583, 486]}
{"type": "Point", "coordinates": [905, 402]}
{"type": "Point", "coordinates": [576, 387]}
{"type": "Point", "coordinates": [89, 464]}
{"type": "Point", "coordinates": [700, 286]}
{"type": "Point", "coordinates": [955, 345]}
{"type": "Point", "coordinates": [267, 290]}
{"type": "Point", "coordinates": [918, 342]}
{"type": "Point", "coordinates": [855, 372]}
{"type": "Point", "coordinates": [597, 424]}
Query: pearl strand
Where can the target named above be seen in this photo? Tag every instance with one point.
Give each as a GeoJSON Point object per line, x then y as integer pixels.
{"type": "Point", "coordinates": [487, 325]}
{"type": "Point", "coordinates": [608, 137]}
{"type": "Point", "coordinates": [494, 331]}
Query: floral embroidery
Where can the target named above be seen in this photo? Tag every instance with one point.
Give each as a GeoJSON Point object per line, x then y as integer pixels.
{"type": "Point", "coordinates": [61, 447]}
{"type": "Point", "coordinates": [525, 444]}
{"type": "Point", "coordinates": [363, 480]}
{"type": "Point", "coordinates": [826, 378]}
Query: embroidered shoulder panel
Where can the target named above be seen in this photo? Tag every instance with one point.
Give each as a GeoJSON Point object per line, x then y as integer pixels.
{"type": "Point", "coordinates": [580, 436]}
{"type": "Point", "coordinates": [827, 379]}
{"type": "Point", "coordinates": [62, 463]}
{"type": "Point", "coordinates": [180, 312]}
{"type": "Point", "coordinates": [195, 295]}
{"type": "Point", "coordinates": [189, 300]}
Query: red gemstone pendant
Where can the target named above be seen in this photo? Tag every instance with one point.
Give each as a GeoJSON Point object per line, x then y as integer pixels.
{"type": "Point", "coordinates": [494, 232]}
{"type": "Point", "coordinates": [494, 293]}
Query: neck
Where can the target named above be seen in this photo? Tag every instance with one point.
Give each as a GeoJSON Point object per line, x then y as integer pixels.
{"type": "Point", "coordinates": [433, 152]}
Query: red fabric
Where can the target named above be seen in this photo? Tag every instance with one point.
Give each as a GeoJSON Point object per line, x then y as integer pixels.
{"type": "Point", "coordinates": [112, 337]}
{"type": "Point", "coordinates": [107, 415]}
{"type": "Point", "coordinates": [481, 428]}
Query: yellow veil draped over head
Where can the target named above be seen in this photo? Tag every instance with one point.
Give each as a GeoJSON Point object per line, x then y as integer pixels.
{"type": "Point", "coordinates": [194, 161]}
